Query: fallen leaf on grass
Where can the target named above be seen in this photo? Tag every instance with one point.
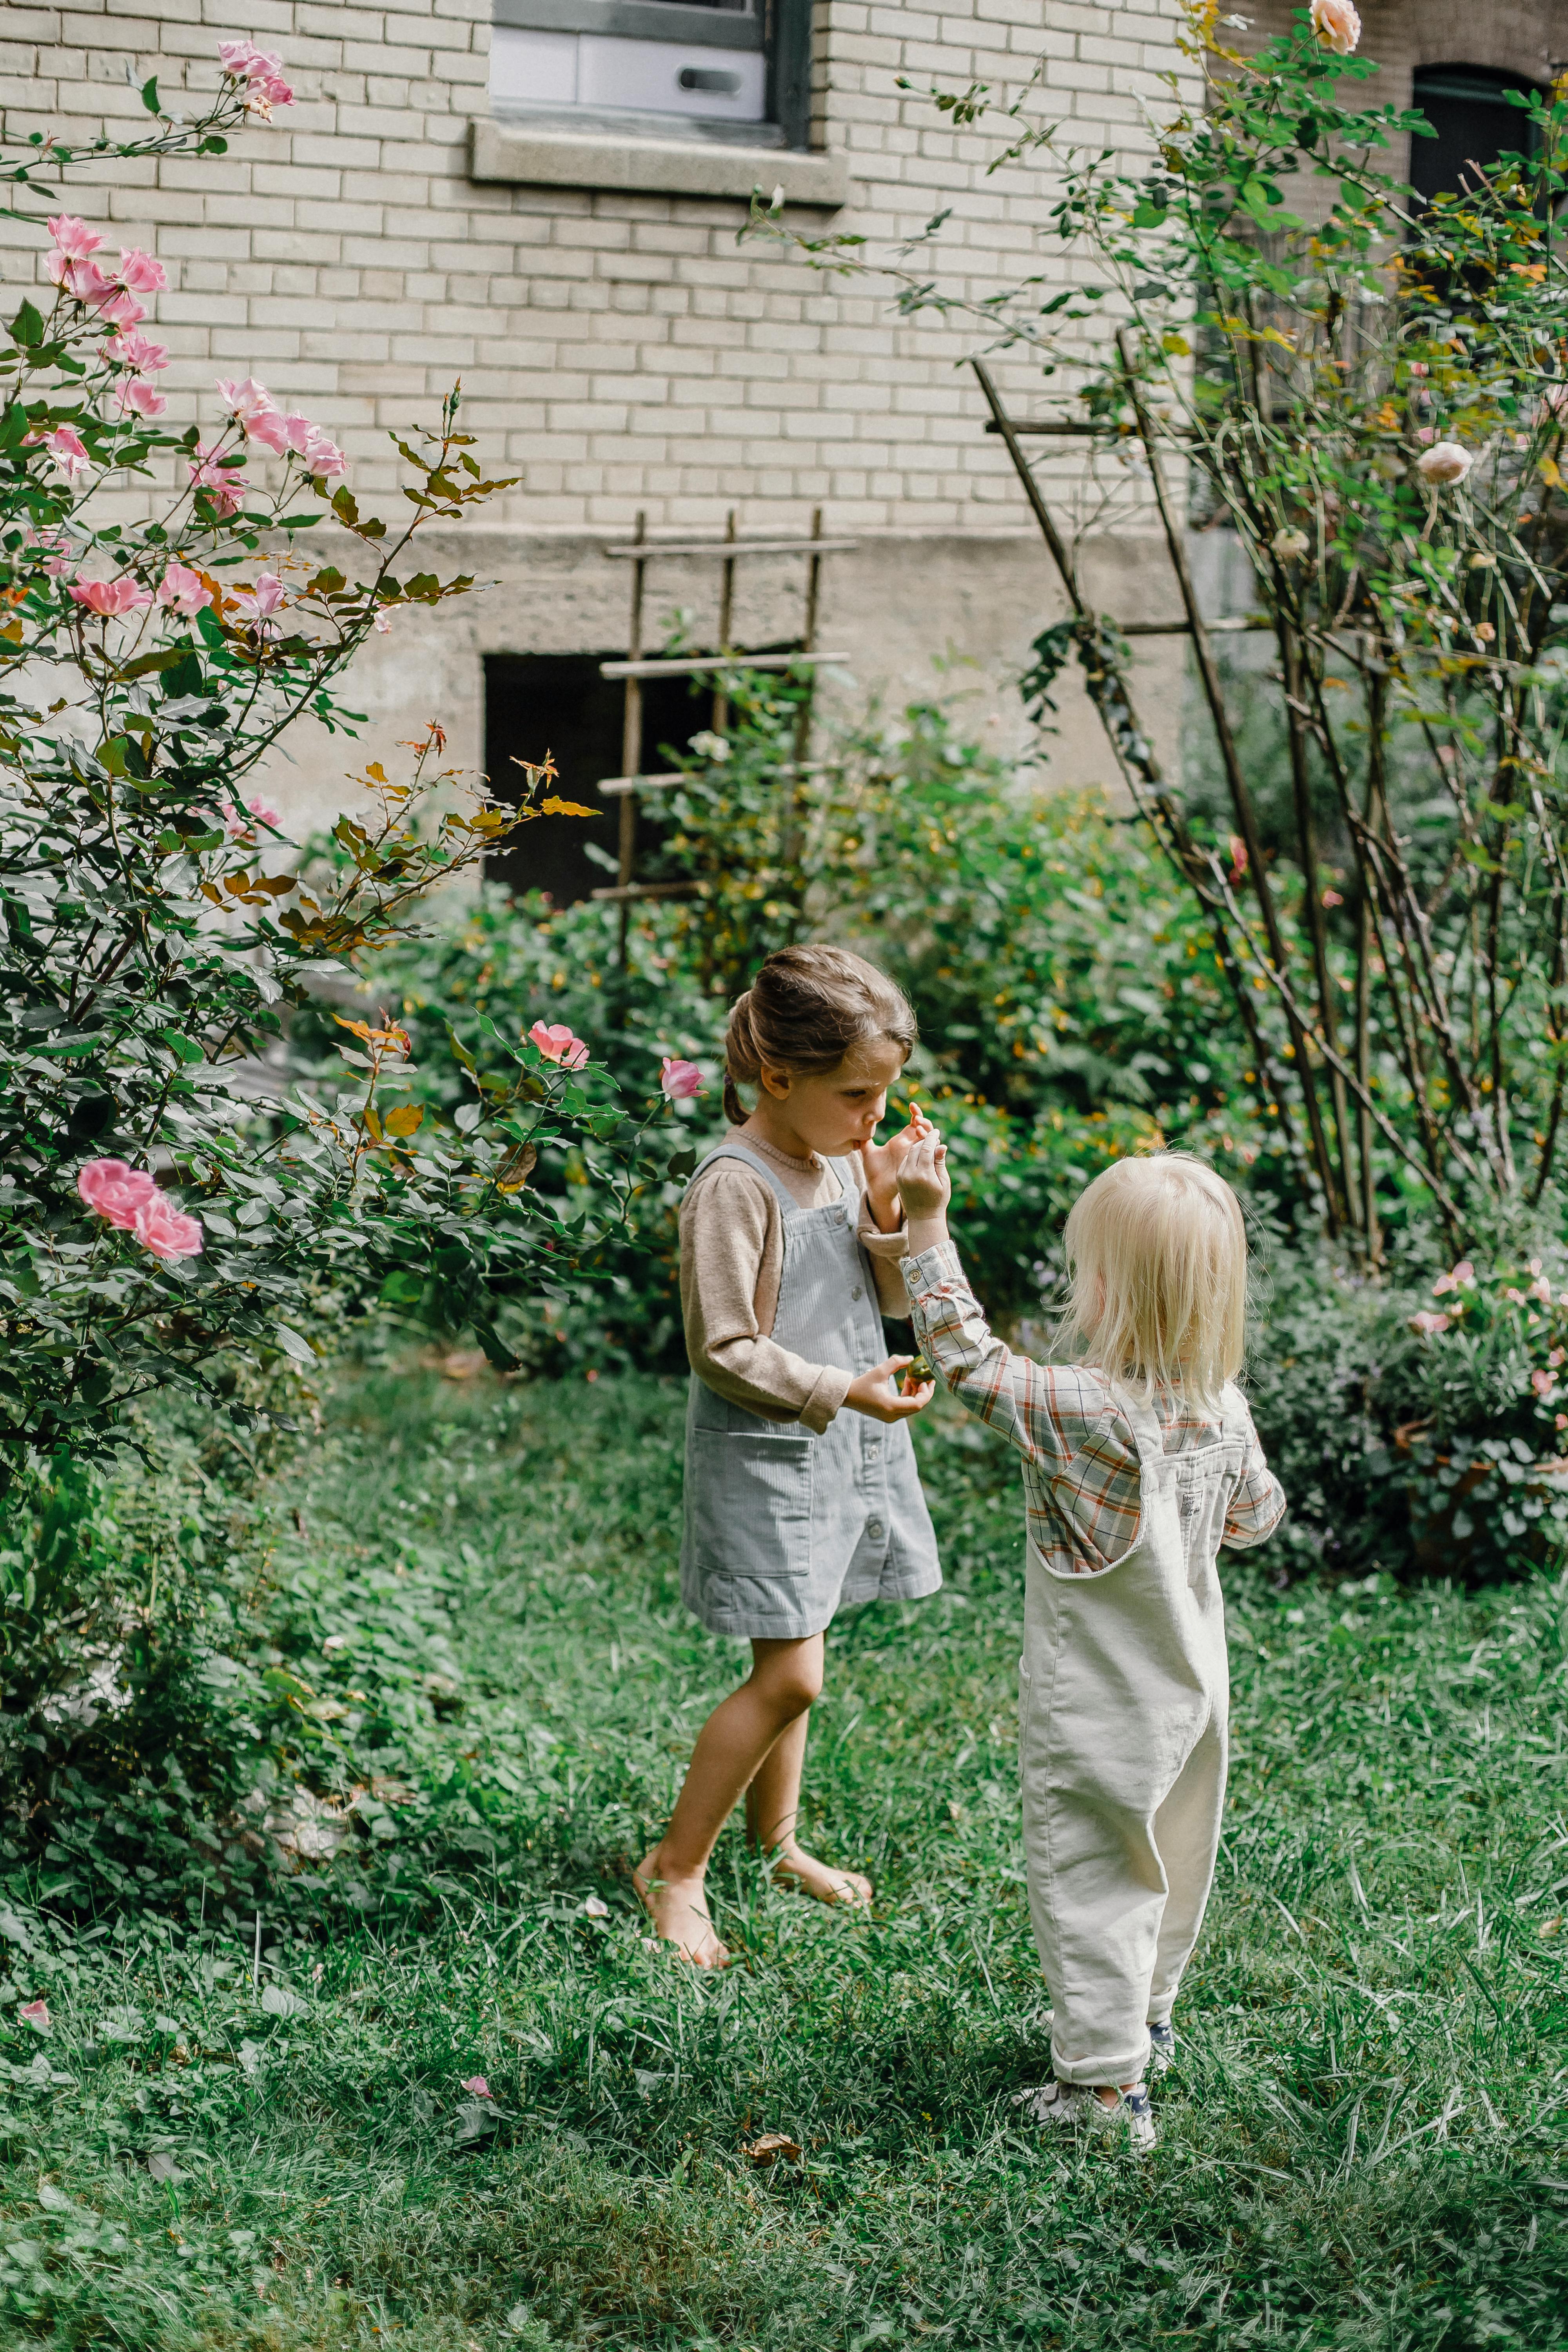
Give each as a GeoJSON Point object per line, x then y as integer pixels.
{"type": "Point", "coordinates": [771, 2146]}
{"type": "Point", "coordinates": [37, 2015]}
{"type": "Point", "coordinates": [161, 2165]}
{"type": "Point", "coordinates": [53, 2200]}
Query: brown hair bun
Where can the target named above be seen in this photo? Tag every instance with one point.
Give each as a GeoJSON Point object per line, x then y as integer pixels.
{"type": "Point", "coordinates": [808, 1009]}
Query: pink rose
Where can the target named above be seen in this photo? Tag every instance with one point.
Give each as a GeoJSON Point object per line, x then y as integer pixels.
{"type": "Point", "coordinates": [264, 95]}
{"type": "Point", "coordinates": [237, 823]}
{"type": "Point", "coordinates": [245, 400]}
{"type": "Point", "coordinates": [140, 272]}
{"type": "Point", "coordinates": [122, 308]}
{"type": "Point", "coordinates": [56, 549]}
{"type": "Point", "coordinates": [222, 482]}
{"type": "Point", "coordinates": [134, 350]}
{"type": "Point", "coordinates": [65, 447]}
{"type": "Point", "coordinates": [1428, 1324]}
{"type": "Point", "coordinates": [256, 605]}
{"type": "Point", "coordinates": [1336, 24]}
{"type": "Point", "coordinates": [1545, 1385]}
{"type": "Point", "coordinates": [72, 237]}
{"type": "Point", "coordinates": [277, 432]}
{"type": "Point", "coordinates": [557, 1043]}
{"type": "Point", "coordinates": [111, 599]}
{"type": "Point", "coordinates": [477, 2085]}
{"type": "Point", "coordinates": [35, 2013]}
{"type": "Point", "coordinates": [115, 1190]}
{"type": "Point", "coordinates": [183, 591]}
{"type": "Point", "coordinates": [136, 396]}
{"type": "Point", "coordinates": [166, 1230]}
{"type": "Point", "coordinates": [679, 1080]}
{"type": "Point", "coordinates": [323, 457]}
{"type": "Point", "coordinates": [1444, 463]}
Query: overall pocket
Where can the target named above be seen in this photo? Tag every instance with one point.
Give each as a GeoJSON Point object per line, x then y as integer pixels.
{"type": "Point", "coordinates": [748, 1503]}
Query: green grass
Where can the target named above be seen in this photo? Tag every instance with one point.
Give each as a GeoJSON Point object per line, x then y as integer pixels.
{"type": "Point", "coordinates": [1364, 2147]}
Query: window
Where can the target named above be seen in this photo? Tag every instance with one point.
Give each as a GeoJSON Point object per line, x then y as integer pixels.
{"type": "Point", "coordinates": [1474, 122]}
{"type": "Point", "coordinates": [726, 70]}
{"type": "Point", "coordinates": [558, 703]}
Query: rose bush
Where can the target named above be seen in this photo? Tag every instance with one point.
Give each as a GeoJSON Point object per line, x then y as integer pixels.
{"type": "Point", "coordinates": [159, 1208]}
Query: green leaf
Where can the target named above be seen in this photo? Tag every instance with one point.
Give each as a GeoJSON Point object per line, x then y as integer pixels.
{"type": "Point", "coordinates": [166, 658]}
{"type": "Point", "coordinates": [27, 326]}
{"type": "Point", "coordinates": [293, 1345]}
{"type": "Point", "coordinates": [150, 98]}
{"type": "Point", "coordinates": [183, 1048]}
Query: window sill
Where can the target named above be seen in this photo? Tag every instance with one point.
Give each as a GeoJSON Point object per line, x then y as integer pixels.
{"type": "Point", "coordinates": [654, 167]}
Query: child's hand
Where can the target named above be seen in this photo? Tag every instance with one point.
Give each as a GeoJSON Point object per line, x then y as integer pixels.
{"type": "Point", "coordinates": [872, 1393]}
{"type": "Point", "coordinates": [882, 1163]}
{"type": "Point", "coordinates": [924, 1185]}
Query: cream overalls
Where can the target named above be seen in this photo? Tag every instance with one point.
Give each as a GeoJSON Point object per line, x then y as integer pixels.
{"type": "Point", "coordinates": [1124, 1699]}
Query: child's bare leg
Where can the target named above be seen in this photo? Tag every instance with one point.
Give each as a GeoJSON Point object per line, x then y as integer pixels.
{"type": "Point", "coordinates": [786, 1677]}
{"type": "Point", "coordinates": [772, 1808]}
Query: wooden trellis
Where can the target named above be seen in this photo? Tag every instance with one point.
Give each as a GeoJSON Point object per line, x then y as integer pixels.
{"type": "Point", "coordinates": [722, 663]}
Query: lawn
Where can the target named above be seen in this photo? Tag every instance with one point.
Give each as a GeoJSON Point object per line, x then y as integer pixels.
{"type": "Point", "coordinates": [243, 2135]}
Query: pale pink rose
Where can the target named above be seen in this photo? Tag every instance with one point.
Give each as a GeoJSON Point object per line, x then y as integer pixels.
{"type": "Point", "coordinates": [245, 400]}
{"type": "Point", "coordinates": [557, 1043]}
{"type": "Point", "coordinates": [183, 591]}
{"type": "Point", "coordinates": [72, 237]}
{"type": "Point", "coordinates": [1427, 433]}
{"type": "Point", "coordinates": [256, 605]}
{"type": "Point", "coordinates": [223, 484]}
{"type": "Point", "coordinates": [234, 56]}
{"type": "Point", "coordinates": [65, 447]}
{"type": "Point", "coordinates": [135, 397]}
{"type": "Point", "coordinates": [679, 1080]}
{"type": "Point", "coordinates": [121, 308]}
{"type": "Point", "coordinates": [35, 2013]}
{"type": "Point", "coordinates": [382, 625]}
{"type": "Point", "coordinates": [140, 272]}
{"type": "Point", "coordinates": [166, 1230]}
{"type": "Point", "coordinates": [1444, 463]}
{"type": "Point", "coordinates": [58, 554]}
{"type": "Point", "coordinates": [111, 599]}
{"type": "Point", "coordinates": [277, 432]}
{"type": "Point", "coordinates": [135, 351]}
{"type": "Point", "coordinates": [323, 457]}
{"type": "Point", "coordinates": [1545, 1385]}
{"type": "Point", "coordinates": [477, 2085]}
{"type": "Point", "coordinates": [263, 96]}
{"type": "Point", "coordinates": [1428, 1324]}
{"type": "Point", "coordinates": [115, 1190]}
{"type": "Point", "coordinates": [1336, 24]}
{"type": "Point", "coordinates": [240, 824]}
{"type": "Point", "coordinates": [264, 812]}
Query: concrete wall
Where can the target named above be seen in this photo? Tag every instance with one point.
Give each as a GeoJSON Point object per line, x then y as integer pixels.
{"type": "Point", "coordinates": [618, 350]}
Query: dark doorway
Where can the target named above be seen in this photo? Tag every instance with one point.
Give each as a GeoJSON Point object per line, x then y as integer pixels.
{"type": "Point", "coordinates": [1474, 123]}
{"type": "Point", "coordinates": [558, 703]}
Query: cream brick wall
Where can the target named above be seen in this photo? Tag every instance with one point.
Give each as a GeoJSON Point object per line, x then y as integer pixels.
{"type": "Point", "coordinates": [621, 353]}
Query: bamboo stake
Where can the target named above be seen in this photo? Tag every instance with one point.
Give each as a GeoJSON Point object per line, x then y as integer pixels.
{"type": "Point", "coordinates": [1241, 798]}
{"type": "Point", "coordinates": [1306, 834]}
{"type": "Point", "coordinates": [631, 738]}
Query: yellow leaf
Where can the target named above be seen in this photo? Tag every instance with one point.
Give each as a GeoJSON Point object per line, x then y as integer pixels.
{"type": "Point", "coordinates": [404, 1120]}
{"type": "Point", "coordinates": [377, 770]}
{"type": "Point", "coordinates": [1176, 346]}
{"type": "Point", "coordinates": [554, 807]}
{"type": "Point", "coordinates": [1551, 472]}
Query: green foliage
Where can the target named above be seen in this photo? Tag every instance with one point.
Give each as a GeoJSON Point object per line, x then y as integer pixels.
{"type": "Point", "coordinates": [1372, 399]}
{"type": "Point", "coordinates": [273, 2143]}
{"type": "Point", "coordinates": [1069, 1000]}
{"type": "Point", "coordinates": [153, 926]}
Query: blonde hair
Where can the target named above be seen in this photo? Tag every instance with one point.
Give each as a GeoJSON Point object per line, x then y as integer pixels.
{"type": "Point", "coordinates": [807, 1011]}
{"type": "Point", "coordinates": [1157, 1254]}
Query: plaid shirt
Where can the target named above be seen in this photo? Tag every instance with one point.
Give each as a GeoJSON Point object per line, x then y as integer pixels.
{"type": "Point", "coordinates": [1082, 1488]}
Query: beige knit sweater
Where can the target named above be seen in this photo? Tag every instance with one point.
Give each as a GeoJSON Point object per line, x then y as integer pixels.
{"type": "Point", "coordinates": [731, 1257]}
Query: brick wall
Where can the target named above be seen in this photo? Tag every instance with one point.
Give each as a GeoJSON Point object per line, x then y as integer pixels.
{"type": "Point", "coordinates": [618, 353]}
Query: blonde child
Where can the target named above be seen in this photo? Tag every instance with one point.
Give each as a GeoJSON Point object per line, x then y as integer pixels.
{"type": "Point", "coordinates": [802, 1496]}
{"type": "Point", "coordinates": [1140, 1460]}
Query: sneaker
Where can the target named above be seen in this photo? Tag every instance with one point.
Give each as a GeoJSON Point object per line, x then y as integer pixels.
{"type": "Point", "coordinates": [1162, 2046]}
{"type": "Point", "coordinates": [1075, 2105]}
{"type": "Point", "coordinates": [1133, 2108]}
{"type": "Point", "coordinates": [1055, 2103]}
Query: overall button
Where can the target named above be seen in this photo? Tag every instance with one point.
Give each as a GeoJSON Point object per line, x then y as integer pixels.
{"type": "Point", "coordinates": [857, 1292]}
{"type": "Point", "coordinates": [874, 1449]}
{"type": "Point", "coordinates": [875, 1529]}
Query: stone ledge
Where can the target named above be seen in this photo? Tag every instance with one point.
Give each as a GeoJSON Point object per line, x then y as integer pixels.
{"type": "Point", "coordinates": [653, 167]}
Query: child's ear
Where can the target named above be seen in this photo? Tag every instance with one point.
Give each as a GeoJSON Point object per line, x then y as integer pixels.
{"type": "Point", "coordinates": [774, 1082]}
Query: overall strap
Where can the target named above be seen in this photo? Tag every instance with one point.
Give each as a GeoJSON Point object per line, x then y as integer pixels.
{"type": "Point", "coordinates": [787, 1201]}
{"type": "Point", "coordinates": [1145, 1423]}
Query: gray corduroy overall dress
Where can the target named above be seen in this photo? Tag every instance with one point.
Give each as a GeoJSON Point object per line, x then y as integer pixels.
{"type": "Point", "coordinates": [783, 1529]}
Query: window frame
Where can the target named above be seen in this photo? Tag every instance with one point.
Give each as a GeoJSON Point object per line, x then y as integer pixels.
{"type": "Point", "coordinates": [780, 29]}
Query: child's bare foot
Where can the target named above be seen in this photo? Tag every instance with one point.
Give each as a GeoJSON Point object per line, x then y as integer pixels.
{"type": "Point", "coordinates": [820, 1879]}
{"type": "Point", "coordinates": [678, 1910]}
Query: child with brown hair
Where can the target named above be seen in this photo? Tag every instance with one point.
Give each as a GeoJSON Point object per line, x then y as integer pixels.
{"type": "Point", "coordinates": [802, 1496]}
{"type": "Point", "coordinates": [1140, 1461]}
